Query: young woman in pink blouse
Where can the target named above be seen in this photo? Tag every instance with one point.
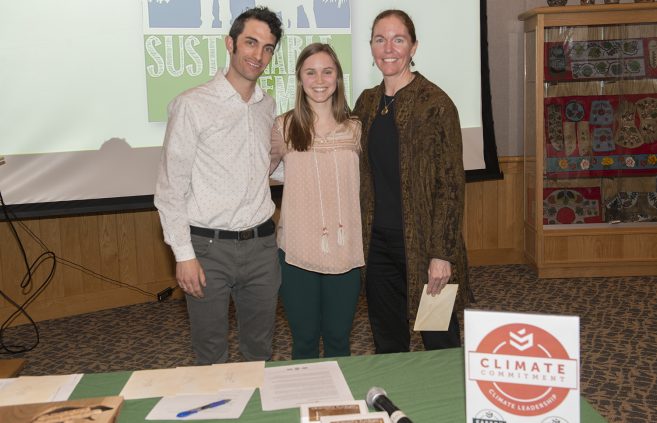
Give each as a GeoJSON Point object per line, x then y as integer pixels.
{"type": "Point", "coordinates": [319, 230]}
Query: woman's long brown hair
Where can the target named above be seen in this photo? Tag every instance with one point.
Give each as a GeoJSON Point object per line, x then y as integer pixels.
{"type": "Point", "coordinates": [298, 123]}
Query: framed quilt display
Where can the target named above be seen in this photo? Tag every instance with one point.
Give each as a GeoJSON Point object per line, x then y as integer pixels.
{"type": "Point", "coordinates": [600, 121]}
{"type": "Point", "coordinates": [590, 139]}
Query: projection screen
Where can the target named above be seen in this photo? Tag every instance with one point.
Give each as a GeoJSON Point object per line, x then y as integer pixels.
{"type": "Point", "coordinates": [85, 83]}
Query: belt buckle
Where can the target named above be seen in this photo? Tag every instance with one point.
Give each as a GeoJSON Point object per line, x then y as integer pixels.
{"type": "Point", "coordinates": [245, 235]}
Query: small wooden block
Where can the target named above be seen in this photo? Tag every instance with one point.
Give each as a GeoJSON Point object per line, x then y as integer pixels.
{"type": "Point", "coordinates": [98, 410]}
{"type": "Point", "coordinates": [11, 368]}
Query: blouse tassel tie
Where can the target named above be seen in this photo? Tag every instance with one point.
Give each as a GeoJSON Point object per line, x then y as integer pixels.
{"type": "Point", "coordinates": [324, 241]}
{"type": "Point", "coordinates": [337, 183]}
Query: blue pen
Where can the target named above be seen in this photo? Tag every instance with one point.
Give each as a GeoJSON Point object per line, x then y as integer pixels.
{"type": "Point", "coordinates": [203, 407]}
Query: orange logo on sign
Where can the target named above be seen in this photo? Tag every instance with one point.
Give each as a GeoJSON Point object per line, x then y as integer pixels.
{"type": "Point", "coordinates": [519, 363]}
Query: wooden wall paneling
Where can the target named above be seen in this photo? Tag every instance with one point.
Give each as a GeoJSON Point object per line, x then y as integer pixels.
{"type": "Point", "coordinates": [4, 241]}
{"type": "Point", "coordinates": [597, 253]}
{"type": "Point", "coordinates": [491, 204]}
{"type": "Point", "coordinates": [31, 246]}
{"type": "Point", "coordinates": [11, 266]}
{"type": "Point", "coordinates": [33, 249]}
{"type": "Point", "coordinates": [51, 236]}
{"type": "Point", "coordinates": [91, 256]}
{"type": "Point", "coordinates": [606, 248]}
{"type": "Point", "coordinates": [109, 254]}
{"type": "Point", "coordinates": [14, 265]}
{"type": "Point", "coordinates": [581, 249]}
{"type": "Point", "coordinates": [494, 211]}
{"type": "Point", "coordinates": [556, 249]}
{"type": "Point", "coordinates": [165, 264]}
{"type": "Point", "coordinates": [473, 216]}
{"type": "Point", "coordinates": [646, 245]}
{"type": "Point", "coordinates": [128, 253]}
{"type": "Point", "coordinates": [71, 250]}
{"type": "Point", "coordinates": [510, 212]}
{"type": "Point", "coordinates": [145, 246]}
{"type": "Point", "coordinates": [529, 241]}
{"type": "Point", "coordinates": [584, 248]}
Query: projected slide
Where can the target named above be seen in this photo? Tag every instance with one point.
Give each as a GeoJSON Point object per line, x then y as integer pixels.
{"type": "Point", "coordinates": [84, 115]}
{"type": "Point", "coordinates": [184, 44]}
{"type": "Point", "coordinates": [86, 83]}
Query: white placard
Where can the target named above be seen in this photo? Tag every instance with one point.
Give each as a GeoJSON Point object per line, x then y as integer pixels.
{"type": "Point", "coordinates": [521, 368]}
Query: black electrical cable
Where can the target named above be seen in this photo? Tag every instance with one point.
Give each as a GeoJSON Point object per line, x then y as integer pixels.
{"type": "Point", "coordinates": [76, 266]}
{"type": "Point", "coordinates": [22, 308]}
{"type": "Point", "coordinates": [27, 282]}
{"type": "Point", "coordinates": [26, 285]}
{"type": "Point", "coordinates": [20, 244]}
{"type": "Point", "coordinates": [90, 272]}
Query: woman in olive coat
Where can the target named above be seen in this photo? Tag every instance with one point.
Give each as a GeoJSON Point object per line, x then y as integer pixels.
{"type": "Point", "coordinates": [412, 191]}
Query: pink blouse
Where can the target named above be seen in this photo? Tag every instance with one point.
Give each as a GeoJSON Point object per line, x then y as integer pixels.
{"type": "Point", "coordinates": [320, 223]}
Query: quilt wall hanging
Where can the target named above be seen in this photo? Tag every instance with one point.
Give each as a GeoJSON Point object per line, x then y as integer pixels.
{"type": "Point", "coordinates": [571, 205]}
{"type": "Point", "coordinates": [632, 207]}
{"type": "Point", "coordinates": [600, 59]}
{"type": "Point", "coordinates": [593, 136]}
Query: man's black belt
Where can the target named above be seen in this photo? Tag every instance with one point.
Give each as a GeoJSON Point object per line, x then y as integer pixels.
{"type": "Point", "coordinates": [264, 229]}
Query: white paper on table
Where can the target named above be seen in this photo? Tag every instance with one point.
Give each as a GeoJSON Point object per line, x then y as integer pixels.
{"type": "Point", "coordinates": [434, 313]}
{"type": "Point", "coordinates": [290, 386]}
{"type": "Point", "coordinates": [6, 382]}
{"type": "Point", "coordinates": [34, 389]}
{"type": "Point", "coordinates": [249, 374]}
{"type": "Point", "coordinates": [168, 407]}
{"type": "Point", "coordinates": [210, 379]}
{"type": "Point", "coordinates": [66, 389]}
{"type": "Point", "coordinates": [151, 383]}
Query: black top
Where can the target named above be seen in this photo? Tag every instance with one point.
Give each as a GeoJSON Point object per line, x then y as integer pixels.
{"type": "Point", "coordinates": [383, 154]}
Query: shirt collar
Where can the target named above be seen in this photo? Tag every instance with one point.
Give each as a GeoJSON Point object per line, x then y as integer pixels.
{"type": "Point", "coordinates": [225, 90]}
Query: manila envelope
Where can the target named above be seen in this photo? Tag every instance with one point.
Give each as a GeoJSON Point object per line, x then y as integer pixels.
{"type": "Point", "coordinates": [434, 312]}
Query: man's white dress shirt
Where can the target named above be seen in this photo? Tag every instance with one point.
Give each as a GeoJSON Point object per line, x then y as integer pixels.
{"type": "Point", "coordinates": [214, 170]}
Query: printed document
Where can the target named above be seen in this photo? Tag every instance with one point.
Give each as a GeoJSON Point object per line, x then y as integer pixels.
{"type": "Point", "coordinates": [290, 386]}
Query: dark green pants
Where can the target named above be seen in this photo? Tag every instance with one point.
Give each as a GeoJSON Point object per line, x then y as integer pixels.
{"type": "Point", "coordinates": [319, 305]}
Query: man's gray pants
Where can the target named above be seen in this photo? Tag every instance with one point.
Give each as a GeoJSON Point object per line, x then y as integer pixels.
{"type": "Point", "coordinates": [249, 272]}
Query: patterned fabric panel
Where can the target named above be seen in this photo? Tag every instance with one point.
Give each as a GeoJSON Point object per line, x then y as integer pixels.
{"type": "Point", "coordinates": [633, 207]}
{"type": "Point", "coordinates": [600, 59]}
{"type": "Point", "coordinates": [592, 136]}
{"type": "Point", "coordinates": [571, 205]}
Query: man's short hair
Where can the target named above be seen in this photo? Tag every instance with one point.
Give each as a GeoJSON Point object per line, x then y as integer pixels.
{"type": "Point", "coordinates": [262, 14]}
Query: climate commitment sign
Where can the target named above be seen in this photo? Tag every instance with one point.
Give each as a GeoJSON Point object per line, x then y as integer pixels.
{"type": "Point", "coordinates": [521, 368]}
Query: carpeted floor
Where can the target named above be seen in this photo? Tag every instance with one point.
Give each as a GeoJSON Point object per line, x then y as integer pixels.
{"type": "Point", "coordinates": [618, 335]}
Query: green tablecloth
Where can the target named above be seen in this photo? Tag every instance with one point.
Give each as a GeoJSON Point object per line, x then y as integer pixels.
{"type": "Point", "coordinates": [428, 386]}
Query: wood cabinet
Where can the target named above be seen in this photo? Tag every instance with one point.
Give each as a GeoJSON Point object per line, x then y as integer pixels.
{"type": "Point", "coordinates": [590, 168]}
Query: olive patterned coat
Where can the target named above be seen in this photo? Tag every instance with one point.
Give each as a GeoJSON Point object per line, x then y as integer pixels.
{"type": "Point", "coordinates": [432, 182]}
